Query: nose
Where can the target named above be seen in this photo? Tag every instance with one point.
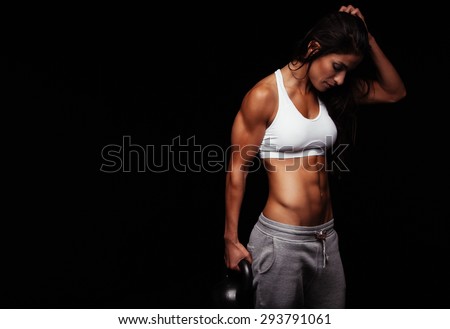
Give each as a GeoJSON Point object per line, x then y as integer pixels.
{"type": "Point", "coordinates": [339, 78]}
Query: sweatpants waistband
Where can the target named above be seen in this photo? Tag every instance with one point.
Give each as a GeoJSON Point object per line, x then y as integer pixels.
{"type": "Point", "coordinates": [293, 232]}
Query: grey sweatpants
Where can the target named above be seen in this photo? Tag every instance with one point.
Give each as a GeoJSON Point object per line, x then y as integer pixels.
{"type": "Point", "coordinates": [296, 266]}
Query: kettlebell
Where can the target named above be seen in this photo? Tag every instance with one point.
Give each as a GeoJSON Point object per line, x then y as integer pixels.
{"type": "Point", "coordinates": [235, 290]}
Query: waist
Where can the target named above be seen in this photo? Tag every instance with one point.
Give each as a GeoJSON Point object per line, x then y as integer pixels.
{"type": "Point", "coordinates": [293, 232]}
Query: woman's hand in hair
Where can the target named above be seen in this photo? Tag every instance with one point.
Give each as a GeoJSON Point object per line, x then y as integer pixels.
{"type": "Point", "coordinates": [352, 10]}
{"type": "Point", "coordinates": [355, 11]}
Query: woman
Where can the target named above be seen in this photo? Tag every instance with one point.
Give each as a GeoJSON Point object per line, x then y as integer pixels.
{"type": "Point", "coordinates": [292, 119]}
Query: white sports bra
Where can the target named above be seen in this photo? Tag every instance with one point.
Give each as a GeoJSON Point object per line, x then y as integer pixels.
{"type": "Point", "coordinates": [291, 135]}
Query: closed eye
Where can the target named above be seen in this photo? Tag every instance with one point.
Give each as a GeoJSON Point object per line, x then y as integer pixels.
{"type": "Point", "coordinates": [338, 67]}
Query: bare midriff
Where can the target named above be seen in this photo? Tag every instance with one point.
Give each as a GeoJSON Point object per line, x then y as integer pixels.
{"type": "Point", "coordinates": [298, 191]}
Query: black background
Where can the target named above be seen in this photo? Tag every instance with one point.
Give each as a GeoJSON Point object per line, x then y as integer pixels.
{"type": "Point", "coordinates": [76, 79]}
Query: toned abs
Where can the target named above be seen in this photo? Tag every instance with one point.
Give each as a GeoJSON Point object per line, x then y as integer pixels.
{"type": "Point", "coordinates": [299, 191]}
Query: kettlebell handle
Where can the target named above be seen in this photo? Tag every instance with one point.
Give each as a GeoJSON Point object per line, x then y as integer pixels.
{"type": "Point", "coordinates": [245, 267]}
{"type": "Point", "coordinates": [247, 275]}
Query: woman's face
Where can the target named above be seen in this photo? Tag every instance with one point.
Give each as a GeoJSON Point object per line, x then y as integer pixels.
{"type": "Point", "coordinates": [330, 70]}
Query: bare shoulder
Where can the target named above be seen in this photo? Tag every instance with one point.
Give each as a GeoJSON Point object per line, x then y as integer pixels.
{"type": "Point", "coordinates": [262, 99]}
{"type": "Point", "coordinates": [255, 112]}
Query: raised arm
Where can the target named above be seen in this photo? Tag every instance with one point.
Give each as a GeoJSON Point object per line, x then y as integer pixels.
{"type": "Point", "coordinates": [388, 86]}
{"type": "Point", "coordinates": [246, 136]}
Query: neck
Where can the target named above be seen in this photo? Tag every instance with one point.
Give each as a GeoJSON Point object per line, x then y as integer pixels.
{"type": "Point", "coordinates": [296, 75]}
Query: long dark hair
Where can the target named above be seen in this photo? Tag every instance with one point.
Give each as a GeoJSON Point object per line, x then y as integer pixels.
{"type": "Point", "coordinates": [339, 33]}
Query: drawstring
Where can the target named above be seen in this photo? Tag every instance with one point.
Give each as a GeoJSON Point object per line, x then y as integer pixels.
{"type": "Point", "coordinates": [321, 236]}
